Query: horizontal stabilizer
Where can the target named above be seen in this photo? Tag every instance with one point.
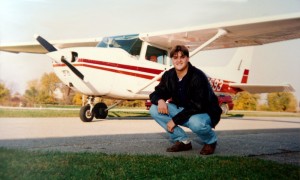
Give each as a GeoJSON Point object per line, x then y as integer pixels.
{"type": "Point", "coordinates": [263, 88]}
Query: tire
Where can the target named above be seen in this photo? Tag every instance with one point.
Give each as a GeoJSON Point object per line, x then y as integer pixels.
{"type": "Point", "coordinates": [100, 111]}
{"type": "Point", "coordinates": [85, 114]}
{"type": "Point", "coordinates": [224, 108]}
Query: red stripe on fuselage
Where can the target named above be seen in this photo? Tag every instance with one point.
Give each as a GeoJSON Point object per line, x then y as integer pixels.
{"type": "Point", "coordinates": [129, 67]}
{"type": "Point", "coordinates": [115, 65]}
{"type": "Point", "coordinates": [117, 71]}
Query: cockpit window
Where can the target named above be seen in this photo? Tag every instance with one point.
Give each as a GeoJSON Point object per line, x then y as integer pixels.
{"type": "Point", "coordinates": [130, 43]}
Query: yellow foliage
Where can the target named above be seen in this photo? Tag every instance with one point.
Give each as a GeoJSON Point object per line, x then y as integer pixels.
{"type": "Point", "coordinates": [245, 101]}
{"type": "Point", "coordinates": [282, 101]}
{"type": "Point", "coordinates": [77, 99]}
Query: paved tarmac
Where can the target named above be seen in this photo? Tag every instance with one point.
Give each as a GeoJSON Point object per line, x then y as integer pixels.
{"type": "Point", "coordinates": [273, 138]}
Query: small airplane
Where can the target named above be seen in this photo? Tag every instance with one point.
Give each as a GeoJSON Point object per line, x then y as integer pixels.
{"type": "Point", "coordinates": [128, 67]}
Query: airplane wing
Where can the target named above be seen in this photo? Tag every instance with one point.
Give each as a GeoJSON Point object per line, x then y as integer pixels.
{"type": "Point", "coordinates": [239, 33]}
{"type": "Point", "coordinates": [35, 47]}
{"type": "Point", "coordinates": [263, 88]}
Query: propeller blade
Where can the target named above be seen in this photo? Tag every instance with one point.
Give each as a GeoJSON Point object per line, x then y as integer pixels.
{"type": "Point", "coordinates": [49, 47]}
{"type": "Point", "coordinates": [75, 71]}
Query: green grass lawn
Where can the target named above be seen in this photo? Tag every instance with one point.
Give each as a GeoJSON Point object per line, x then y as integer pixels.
{"type": "Point", "coordinates": [21, 164]}
{"type": "Point", "coordinates": [123, 113]}
{"type": "Point", "coordinates": [62, 113]}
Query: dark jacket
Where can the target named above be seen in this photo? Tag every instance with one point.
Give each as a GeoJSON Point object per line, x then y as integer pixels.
{"type": "Point", "coordinates": [199, 95]}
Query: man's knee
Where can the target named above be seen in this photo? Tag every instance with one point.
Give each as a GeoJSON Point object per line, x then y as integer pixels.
{"type": "Point", "coordinates": [153, 110]}
{"type": "Point", "coordinates": [199, 123]}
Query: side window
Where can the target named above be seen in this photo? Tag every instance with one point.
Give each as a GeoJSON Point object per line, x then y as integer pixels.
{"type": "Point", "coordinates": [155, 54]}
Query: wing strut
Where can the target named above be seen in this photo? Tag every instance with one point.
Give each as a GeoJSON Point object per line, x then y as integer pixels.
{"type": "Point", "coordinates": [220, 33]}
{"type": "Point", "coordinates": [157, 77]}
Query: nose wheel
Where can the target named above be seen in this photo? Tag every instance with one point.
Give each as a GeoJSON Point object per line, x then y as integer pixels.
{"type": "Point", "coordinates": [99, 111]}
{"type": "Point", "coordinates": [86, 115]}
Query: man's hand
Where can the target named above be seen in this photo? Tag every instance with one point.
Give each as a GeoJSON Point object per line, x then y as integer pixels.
{"type": "Point", "coordinates": [170, 126]}
{"type": "Point", "coordinates": [162, 107]}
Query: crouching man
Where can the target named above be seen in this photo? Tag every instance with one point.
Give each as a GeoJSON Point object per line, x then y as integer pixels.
{"type": "Point", "coordinates": [193, 104]}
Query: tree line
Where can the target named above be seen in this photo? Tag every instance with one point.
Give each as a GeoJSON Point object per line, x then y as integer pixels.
{"type": "Point", "coordinates": [49, 90]}
{"type": "Point", "coordinates": [277, 101]}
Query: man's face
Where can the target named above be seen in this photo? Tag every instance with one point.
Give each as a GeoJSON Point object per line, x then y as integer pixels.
{"type": "Point", "coordinates": [180, 61]}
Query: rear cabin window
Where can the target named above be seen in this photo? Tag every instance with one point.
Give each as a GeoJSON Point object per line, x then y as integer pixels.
{"type": "Point", "coordinates": [156, 55]}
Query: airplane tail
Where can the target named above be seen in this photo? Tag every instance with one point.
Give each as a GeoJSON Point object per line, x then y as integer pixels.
{"type": "Point", "coordinates": [237, 70]}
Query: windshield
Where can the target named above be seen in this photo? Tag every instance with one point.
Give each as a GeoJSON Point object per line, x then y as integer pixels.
{"type": "Point", "coordinates": [130, 43]}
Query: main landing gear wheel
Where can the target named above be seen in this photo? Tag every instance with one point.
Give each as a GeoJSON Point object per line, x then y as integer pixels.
{"type": "Point", "coordinates": [85, 113]}
{"type": "Point", "coordinates": [100, 111]}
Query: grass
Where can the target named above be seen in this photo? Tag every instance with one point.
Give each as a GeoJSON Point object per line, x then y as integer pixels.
{"type": "Point", "coordinates": [261, 114]}
{"type": "Point", "coordinates": [37, 113]}
{"type": "Point", "coordinates": [62, 113]}
{"type": "Point", "coordinates": [67, 112]}
{"type": "Point", "coordinates": [21, 164]}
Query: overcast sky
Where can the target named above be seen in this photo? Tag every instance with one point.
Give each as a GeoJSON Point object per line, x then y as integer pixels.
{"type": "Point", "coordinates": [64, 19]}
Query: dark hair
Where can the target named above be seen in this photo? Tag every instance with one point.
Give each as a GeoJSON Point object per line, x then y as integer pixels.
{"type": "Point", "coordinates": [178, 48]}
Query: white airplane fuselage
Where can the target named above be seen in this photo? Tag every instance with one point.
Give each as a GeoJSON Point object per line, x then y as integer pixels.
{"type": "Point", "coordinates": [108, 72]}
{"type": "Point", "coordinates": [114, 73]}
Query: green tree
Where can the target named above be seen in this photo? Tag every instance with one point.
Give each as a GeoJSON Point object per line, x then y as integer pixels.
{"type": "Point", "coordinates": [31, 96]}
{"type": "Point", "coordinates": [49, 83]}
{"type": "Point", "coordinates": [282, 101]}
{"type": "Point", "coordinates": [245, 101]}
{"type": "Point", "coordinates": [45, 98]}
{"type": "Point", "coordinates": [4, 94]}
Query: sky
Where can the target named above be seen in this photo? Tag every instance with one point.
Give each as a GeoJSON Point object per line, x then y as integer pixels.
{"type": "Point", "coordinates": [76, 19]}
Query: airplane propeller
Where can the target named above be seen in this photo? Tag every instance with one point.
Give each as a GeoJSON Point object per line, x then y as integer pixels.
{"type": "Point", "coordinates": [73, 69]}
{"type": "Point", "coordinates": [50, 48]}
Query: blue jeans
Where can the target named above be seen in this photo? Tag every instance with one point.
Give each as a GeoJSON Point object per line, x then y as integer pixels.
{"type": "Point", "coordinates": [200, 124]}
